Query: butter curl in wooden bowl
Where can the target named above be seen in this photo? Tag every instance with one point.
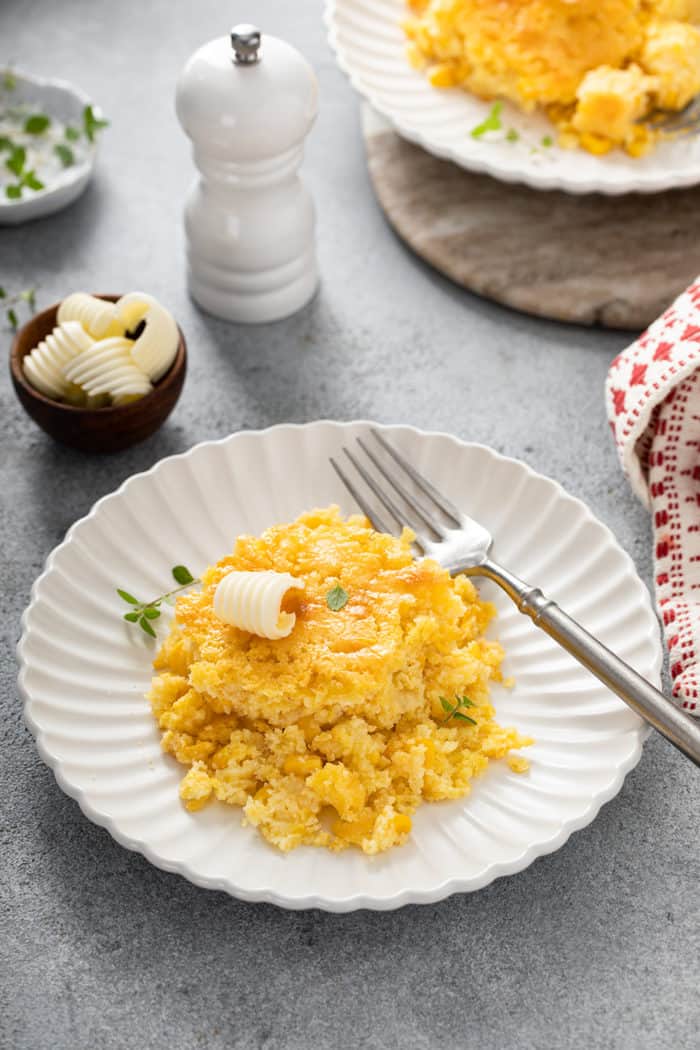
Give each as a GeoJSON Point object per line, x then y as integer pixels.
{"type": "Point", "coordinates": [111, 427]}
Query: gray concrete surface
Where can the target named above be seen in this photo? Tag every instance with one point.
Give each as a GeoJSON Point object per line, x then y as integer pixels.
{"type": "Point", "coordinates": [596, 946]}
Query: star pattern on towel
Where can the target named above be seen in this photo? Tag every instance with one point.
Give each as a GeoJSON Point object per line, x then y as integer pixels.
{"type": "Point", "coordinates": [653, 403]}
{"type": "Point", "coordinates": [638, 374]}
{"type": "Point", "coordinates": [663, 352]}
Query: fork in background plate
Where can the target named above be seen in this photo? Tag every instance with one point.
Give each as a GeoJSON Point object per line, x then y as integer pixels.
{"type": "Point", "coordinates": [683, 123]}
{"type": "Point", "coordinates": [461, 545]}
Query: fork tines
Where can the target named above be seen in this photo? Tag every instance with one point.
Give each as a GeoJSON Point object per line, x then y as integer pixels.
{"type": "Point", "coordinates": [675, 121]}
{"type": "Point", "coordinates": [404, 506]}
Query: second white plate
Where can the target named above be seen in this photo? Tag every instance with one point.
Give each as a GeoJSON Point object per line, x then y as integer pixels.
{"type": "Point", "coordinates": [370, 45]}
{"type": "Point", "coordinates": [84, 671]}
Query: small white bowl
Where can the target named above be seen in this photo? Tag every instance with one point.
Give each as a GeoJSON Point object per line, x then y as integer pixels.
{"type": "Point", "coordinates": [65, 102]}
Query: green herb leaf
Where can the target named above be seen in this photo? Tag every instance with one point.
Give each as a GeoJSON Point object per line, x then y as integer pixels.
{"type": "Point", "coordinates": [453, 710]}
{"type": "Point", "coordinates": [28, 296]}
{"type": "Point", "coordinates": [10, 301]}
{"type": "Point", "coordinates": [5, 143]}
{"type": "Point", "coordinates": [37, 123]}
{"type": "Point", "coordinates": [146, 611]}
{"type": "Point", "coordinates": [65, 154]}
{"type": "Point", "coordinates": [337, 598]}
{"type": "Point", "coordinates": [30, 179]}
{"type": "Point", "coordinates": [9, 80]}
{"type": "Point", "coordinates": [547, 141]}
{"type": "Point", "coordinates": [182, 575]}
{"type": "Point", "coordinates": [72, 134]}
{"type": "Point", "coordinates": [92, 123]}
{"type": "Point", "coordinates": [492, 122]}
{"type": "Point", "coordinates": [145, 626]}
{"type": "Point", "coordinates": [15, 162]}
{"type": "Point", "coordinates": [512, 135]}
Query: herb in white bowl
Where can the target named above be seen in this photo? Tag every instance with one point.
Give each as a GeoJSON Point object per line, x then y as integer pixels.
{"type": "Point", "coordinates": [35, 146]}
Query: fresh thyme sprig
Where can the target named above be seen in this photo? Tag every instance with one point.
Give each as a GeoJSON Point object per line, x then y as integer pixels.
{"type": "Point", "coordinates": [492, 122]}
{"type": "Point", "coordinates": [9, 302]}
{"type": "Point", "coordinates": [92, 123]}
{"type": "Point", "coordinates": [453, 710]}
{"type": "Point", "coordinates": [143, 612]}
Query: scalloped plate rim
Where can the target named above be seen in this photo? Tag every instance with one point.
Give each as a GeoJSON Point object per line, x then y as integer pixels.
{"type": "Point", "coordinates": [266, 894]}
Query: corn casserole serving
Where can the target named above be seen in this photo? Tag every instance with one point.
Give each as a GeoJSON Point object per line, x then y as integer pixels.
{"type": "Point", "coordinates": [596, 67]}
{"type": "Point", "coordinates": [373, 703]}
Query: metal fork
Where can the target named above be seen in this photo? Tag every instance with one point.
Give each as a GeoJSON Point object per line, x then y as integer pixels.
{"type": "Point", "coordinates": [461, 545]}
{"type": "Point", "coordinates": [682, 123]}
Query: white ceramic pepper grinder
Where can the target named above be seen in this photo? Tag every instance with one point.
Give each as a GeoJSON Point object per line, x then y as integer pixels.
{"type": "Point", "coordinates": [248, 101]}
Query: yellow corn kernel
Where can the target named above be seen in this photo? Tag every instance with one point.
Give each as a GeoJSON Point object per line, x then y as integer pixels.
{"type": "Point", "coordinates": [442, 76]}
{"type": "Point", "coordinates": [640, 142]}
{"type": "Point", "coordinates": [195, 804]}
{"type": "Point", "coordinates": [636, 149]}
{"type": "Point", "coordinates": [302, 765]}
{"type": "Point", "coordinates": [595, 143]}
{"type": "Point", "coordinates": [353, 830]}
{"type": "Point", "coordinates": [415, 56]}
{"type": "Point", "coordinates": [338, 786]}
{"type": "Point", "coordinates": [428, 750]}
{"type": "Point", "coordinates": [402, 823]}
{"type": "Point", "coordinates": [309, 727]}
{"type": "Point", "coordinates": [568, 139]}
{"type": "Point", "coordinates": [518, 764]}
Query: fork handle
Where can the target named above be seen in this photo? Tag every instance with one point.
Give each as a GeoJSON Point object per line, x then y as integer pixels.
{"type": "Point", "coordinates": [682, 730]}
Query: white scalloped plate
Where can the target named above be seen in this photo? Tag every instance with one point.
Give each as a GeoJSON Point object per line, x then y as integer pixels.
{"type": "Point", "coordinates": [369, 43]}
{"type": "Point", "coordinates": [84, 670]}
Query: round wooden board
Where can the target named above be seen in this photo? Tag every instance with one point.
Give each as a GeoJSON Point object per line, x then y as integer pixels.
{"type": "Point", "coordinates": [613, 261]}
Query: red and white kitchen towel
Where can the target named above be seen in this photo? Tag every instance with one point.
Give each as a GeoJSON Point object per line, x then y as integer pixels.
{"type": "Point", "coordinates": [653, 403]}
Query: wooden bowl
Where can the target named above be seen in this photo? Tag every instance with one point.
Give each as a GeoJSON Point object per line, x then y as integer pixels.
{"type": "Point", "coordinates": [89, 429]}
